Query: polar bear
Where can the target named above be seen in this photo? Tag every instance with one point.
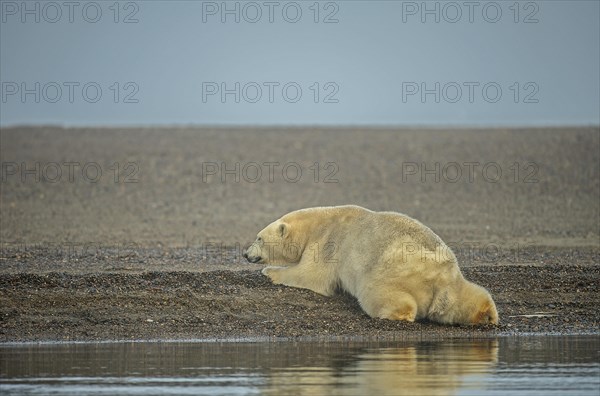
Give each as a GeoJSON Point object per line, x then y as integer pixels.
{"type": "Point", "coordinates": [396, 267]}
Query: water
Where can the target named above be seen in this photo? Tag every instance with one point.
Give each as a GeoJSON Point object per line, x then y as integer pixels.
{"type": "Point", "coordinates": [504, 366]}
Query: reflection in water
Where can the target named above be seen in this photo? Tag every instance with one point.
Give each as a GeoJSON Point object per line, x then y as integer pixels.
{"type": "Point", "coordinates": [536, 365]}
{"type": "Point", "coordinates": [417, 369]}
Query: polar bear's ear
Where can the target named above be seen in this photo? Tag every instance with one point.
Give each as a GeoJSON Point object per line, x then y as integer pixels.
{"type": "Point", "coordinates": [283, 229]}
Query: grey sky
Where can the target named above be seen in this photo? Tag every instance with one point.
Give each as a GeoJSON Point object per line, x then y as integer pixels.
{"type": "Point", "coordinates": [537, 64]}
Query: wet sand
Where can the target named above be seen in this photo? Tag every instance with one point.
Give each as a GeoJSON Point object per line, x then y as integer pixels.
{"type": "Point", "coordinates": [93, 257]}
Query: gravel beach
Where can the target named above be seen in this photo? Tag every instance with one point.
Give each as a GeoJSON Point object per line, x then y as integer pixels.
{"type": "Point", "coordinates": [111, 234]}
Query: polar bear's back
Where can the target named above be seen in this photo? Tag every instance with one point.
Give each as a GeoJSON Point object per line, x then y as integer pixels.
{"type": "Point", "coordinates": [387, 226]}
{"type": "Point", "coordinates": [402, 241]}
{"type": "Point", "coordinates": [399, 226]}
{"type": "Point", "coordinates": [354, 228]}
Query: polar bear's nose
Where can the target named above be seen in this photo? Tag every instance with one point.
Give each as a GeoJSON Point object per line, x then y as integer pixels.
{"type": "Point", "coordinates": [252, 259]}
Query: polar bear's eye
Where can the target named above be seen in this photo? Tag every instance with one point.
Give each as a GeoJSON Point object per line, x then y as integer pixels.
{"type": "Point", "coordinates": [259, 239]}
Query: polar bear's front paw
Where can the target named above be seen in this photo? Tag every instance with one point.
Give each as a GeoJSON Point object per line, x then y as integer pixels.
{"type": "Point", "coordinates": [272, 273]}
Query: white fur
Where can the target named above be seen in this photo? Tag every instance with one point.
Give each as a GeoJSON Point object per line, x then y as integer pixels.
{"type": "Point", "coordinates": [395, 266]}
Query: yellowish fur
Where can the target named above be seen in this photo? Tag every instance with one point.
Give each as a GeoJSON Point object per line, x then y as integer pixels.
{"type": "Point", "coordinates": [395, 266]}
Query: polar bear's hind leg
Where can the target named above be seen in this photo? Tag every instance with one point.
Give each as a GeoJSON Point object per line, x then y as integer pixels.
{"type": "Point", "coordinates": [396, 306]}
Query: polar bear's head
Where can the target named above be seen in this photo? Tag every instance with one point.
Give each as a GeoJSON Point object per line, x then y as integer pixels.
{"type": "Point", "coordinates": [274, 245]}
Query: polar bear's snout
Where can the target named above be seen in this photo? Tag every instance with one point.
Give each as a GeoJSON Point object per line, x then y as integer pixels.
{"type": "Point", "coordinates": [252, 258]}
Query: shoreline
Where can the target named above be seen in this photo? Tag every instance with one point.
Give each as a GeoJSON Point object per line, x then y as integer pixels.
{"type": "Point", "coordinates": [308, 340]}
{"type": "Point", "coordinates": [240, 305]}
